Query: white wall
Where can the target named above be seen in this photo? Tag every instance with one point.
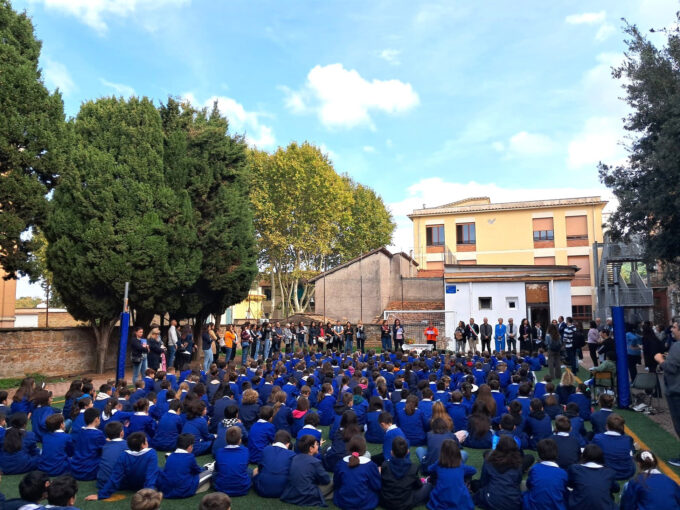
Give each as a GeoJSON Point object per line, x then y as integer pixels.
{"type": "Point", "coordinates": [560, 299]}
{"type": "Point", "coordinates": [26, 321]}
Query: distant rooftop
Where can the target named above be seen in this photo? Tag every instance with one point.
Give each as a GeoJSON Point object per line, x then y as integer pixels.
{"type": "Point", "coordinates": [482, 204]}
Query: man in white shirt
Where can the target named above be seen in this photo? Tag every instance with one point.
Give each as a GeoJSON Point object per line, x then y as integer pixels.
{"type": "Point", "coordinates": [172, 342]}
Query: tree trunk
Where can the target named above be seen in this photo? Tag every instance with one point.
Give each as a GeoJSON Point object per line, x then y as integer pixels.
{"type": "Point", "coordinates": [102, 334]}
{"type": "Point", "coordinates": [273, 287]}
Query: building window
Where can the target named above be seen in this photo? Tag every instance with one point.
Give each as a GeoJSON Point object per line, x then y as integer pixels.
{"type": "Point", "coordinates": [485, 303]}
{"type": "Point", "coordinates": [267, 294]}
{"type": "Point", "coordinates": [465, 233]}
{"type": "Point", "coordinates": [582, 276]}
{"type": "Point", "coordinates": [577, 228]}
{"type": "Point", "coordinates": [582, 313]}
{"type": "Point", "coordinates": [512, 303]}
{"type": "Point", "coordinates": [543, 229]}
{"type": "Point", "coordinates": [544, 235]}
{"type": "Point", "coordinates": [435, 235]}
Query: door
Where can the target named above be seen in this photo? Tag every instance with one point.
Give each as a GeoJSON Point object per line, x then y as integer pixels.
{"type": "Point", "coordinates": [540, 313]}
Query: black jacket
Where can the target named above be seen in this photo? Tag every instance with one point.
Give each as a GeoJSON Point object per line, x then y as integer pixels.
{"type": "Point", "coordinates": [399, 481]}
{"type": "Point", "coordinates": [155, 351]}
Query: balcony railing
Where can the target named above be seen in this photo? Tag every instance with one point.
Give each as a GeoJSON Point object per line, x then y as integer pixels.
{"type": "Point", "coordinates": [630, 297]}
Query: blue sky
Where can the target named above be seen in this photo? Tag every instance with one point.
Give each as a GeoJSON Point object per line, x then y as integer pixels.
{"type": "Point", "coordinates": [426, 102]}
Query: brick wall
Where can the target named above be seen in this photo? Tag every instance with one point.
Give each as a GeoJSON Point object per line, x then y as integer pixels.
{"type": "Point", "coordinates": [52, 352]}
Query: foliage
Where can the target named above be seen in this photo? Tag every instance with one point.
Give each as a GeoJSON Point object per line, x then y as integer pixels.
{"type": "Point", "coordinates": [52, 297]}
{"type": "Point", "coordinates": [115, 220]}
{"type": "Point", "coordinates": [308, 218]}
{"type": "Point", "coordinates": [32, 136]}
{"type": "Point", "coordinates": [646, 185]}
{"type": "Point", "coordinates": [202, 160]}
{"type": "Point", "coordinates": [27, 302]}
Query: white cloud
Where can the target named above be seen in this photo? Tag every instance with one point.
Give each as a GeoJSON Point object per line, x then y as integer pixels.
{"type": "Point", "coordinates": [57, 76]}
{"type": "Point", "coordinates": [530, 144]}
{"type": "Point", "coordinates": [333, 156]}
{"type": "Point", "coordinates": [586, 18]}
{"type": "Point", "coordinates": [391, 56]}
{"type": "Point", "coordinates": [597, 141]}
{"type": "Point", "coordinates": [433, 191]}
{"type": "Point", "coordinates": [343, 98]}
{"type": "Point", "coordinates": [498, 146]}
{"type": "Point", "coordinates": [240, 120]}
{"type": "Point", "coordinates": [121, 89]}
{"type": "Point", "coordinates": [604, 32]}
{"type": "Point", "coordinates": [369, 148]}
{"type": "Point", "coordinates": [94, 12]}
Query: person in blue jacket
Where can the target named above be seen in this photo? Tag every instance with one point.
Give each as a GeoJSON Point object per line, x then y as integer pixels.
{"type": "Point", "coordinates": [136, 468]}
{"type": "Point", "coordinates": [19, 453]}
{"type": "Point", "coordinates": [356, 480]}
{"type": "Point", "coordinates": [139, 393]}
{"type": "Point", "coordinates": [591, 482]}
{"type": "Point", "coordinates": [412, 422]}
{"type": "Point", "coordinates": [311, 422]}
{"type": "Point", "coordinates": [649, 489]}
{"type": "Point", "coordinates": [169, 428]}
{"type": "Point", "coordinates": [391, 431]}
{"type": "Point", "coordinates": [308, 483]}
{"type": "Point", "coordinates": [57, 447]}
{"type": "Point", "coordinates": [538, 425]}
{"type": "Point", "coordinates": [568, 445]}
{"type": "Point", "coordinates": [599, 418]}
{"type": "Point", "coordinates": [261, 434]}
{"type": "Point", "coordinates": [231, 466]}
{"type": "Point", "coordinates": [617, 447]}
{"type": "Point", "coordinates": [449, 477]}
{"type": "Point", "coordinates": [182, 476]}
{"type": "Point", "coordinates": [429, 455]}
{"type": "Point", "coordinates": [198, 427]}
{"type": "Point", "coordinates": [374, 432]}
{"type": "Point", "coordinates": [89, 443]}
{"type": "Point", "coordinates": [499, 485]}
{"type": "Point", "coordinates": [457, 411]}
{"type": "Point", "coordinates": [111, 451]}
{"type": "Point", "coordinates": [547, 483]}
{"type": "Point", "coordinates": [271, 475]}
{"type": "Point", "coordinates": [105, 393]}
{"type": "Point", "coordinates": [141, 421]}
{"type": "Point", "coordinates": [500, 332]}
{"type": "Point", "coordinates": [21, 401]}
{"type": "Point", "coordinates": [582, 398]}
{"type": "Point", "coordinates": [42, 408]}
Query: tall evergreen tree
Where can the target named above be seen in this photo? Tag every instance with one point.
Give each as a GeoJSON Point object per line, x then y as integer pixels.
{"type": "Point", "coordinates": [115, 220]}
{"type": "Point", "coordinates": [32, 137]}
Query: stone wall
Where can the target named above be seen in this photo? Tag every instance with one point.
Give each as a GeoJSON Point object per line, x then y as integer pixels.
{"type": "Point", "coordinates": [52, 352]}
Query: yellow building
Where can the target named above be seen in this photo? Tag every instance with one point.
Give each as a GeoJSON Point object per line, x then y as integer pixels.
{"type": "Point", "coordinates": [538, 232]}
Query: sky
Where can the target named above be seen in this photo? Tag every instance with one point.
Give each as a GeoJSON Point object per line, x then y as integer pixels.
{"type": "Point", "coordinates": [427, 102]}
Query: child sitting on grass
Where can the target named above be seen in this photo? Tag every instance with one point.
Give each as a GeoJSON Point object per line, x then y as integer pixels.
{"type": "Point", "coordinates": [182, 477]}
{"type": "Point", "coordinates": [617, 447]}
{"type": "Point", "coordinates": [308, 484]}
{"type": "Point", "coordinates": [57, 447]}
{"type": "Point", "coordinates": [547, 483]}
{"type": "Point", "coordinates": [449, 478]}
{"type": "Point", "coordinates": [650, 488]}
{"type": "Point", "coordinates": [61, 494]}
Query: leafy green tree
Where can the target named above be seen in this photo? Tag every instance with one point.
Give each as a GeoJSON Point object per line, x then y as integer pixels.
{"type": "Point", "coordinates": [212, 166]}
{"type": "Point", "coordinates": [27, 302]}
{"type": "Point", "coordinates": [32, 136]}
{"type": "Point", "coordinates": [114, 219]}
{"type": "Point", "coordinates": [52, 297]}
{"type": "Point", "coordinates": [646, 185]}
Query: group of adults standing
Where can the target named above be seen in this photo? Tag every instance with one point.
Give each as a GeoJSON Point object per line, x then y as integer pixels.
{"type": "Point", "coordinates": [506, 337]}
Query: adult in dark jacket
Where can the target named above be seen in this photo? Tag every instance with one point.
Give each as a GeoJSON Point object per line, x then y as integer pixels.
{"type": "Point", "coordinates": [398, 335]}
{"type": "Point", "coordinates": [155, 349]}
{"type": "Point", "coordinates": [139, 350]}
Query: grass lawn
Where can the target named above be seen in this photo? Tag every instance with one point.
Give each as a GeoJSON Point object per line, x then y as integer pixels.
{"type": "Point", "coordinates": [660, 441]}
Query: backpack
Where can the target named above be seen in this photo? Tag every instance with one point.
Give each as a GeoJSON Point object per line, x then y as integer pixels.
{"type": "Point", "coordinates": [554, 344]}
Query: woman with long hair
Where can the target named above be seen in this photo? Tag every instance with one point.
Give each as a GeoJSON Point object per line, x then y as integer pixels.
{"type": "Point", "coordinates": [553, 342]}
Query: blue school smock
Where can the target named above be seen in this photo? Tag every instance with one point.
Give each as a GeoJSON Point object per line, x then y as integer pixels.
{"type": "Point", "coordinates": [458, 414]}
{"type": "Point", "coordinates": [136, 395]}
{"type": "Point", "coordinates": [499, 398]}
{"type": "Point", "coordinates": [173, 381]}
{"type": "Point", "coordinates": [374, 432]}
{"type": "Point", "coordinates": [537, 426]}
{"type": "Point", "coordinates": [23, 461]}
{"type": "Point", "coordinates": [155, 412]}
{"type": "Point", "coordinates": [88, 448]}
{"type": "Point", "coordinates": [179, 477]}
{"type": "Point", "coordinates": [283, 419]}
{"type": "Point", "coordinates": [526, 405]}
{"type": "Point", "coordinates": [203, 439]}
{"type": "Point", "coordinates": [111, 452]}
{"type": "Point", "coordinates": [149, 385]}
{"type": "Point", "coordinates": [248, 414]}
{"type": "Point", "coordinates": [38, 418]}
{"type": "Point", "coordinates": [499, 490]}
{"type": "Point", "coordinates": [449, 491]}
{"type": "Point", "coordinates": [547, 485]}
{"type": "Point", "coordinates": [578, 429]}
{"type": "Point", "coordinates": [231, 470]}
{"type": "Point", "coordinates": [592, 486]}
{"type": "Point", "coordinates": [78, 422]}
{"type": "Point", "coordinates": [583, 402]}
{"type": "Point", "coordinates": [57, 447]}
{"type": "Point", "coordinates": [298, 421]}
{"type": "Point", "coordinates": [618, 453]}
{"type": "Point", "coordinates": [168, 430]}
{"type": "Point", "coordinates": [302, 488]}
{"type": "Point", "coordinates": [390, 434]}
{"type": "Point", "coordinates": [413, 426]}
{"type": "Point", "coordinates": [100, 403]}
{"type": "Point", "coordinates": [479, 443]}
{"type": "Point", "coordinates": [599, 420]}
{"type": "Point", "coordinates": [221, 439]}
{"type": "Point", "coordinates": [133, 471]}
{"type": "Point", "coordinates": [23, 406]}
{"type": "Point", "coordinates": [511, 392]}
{"type": "Point", "coordinates": [356, 488]}
{"type": "Point", "coordinates": [68, 406]}
{"type": "Point", "coordinates": [335, 452]}
{"type": "Point", "coordinates": [568, 449]}
{"type": "Point", "coordinates": [218, 411]}
{"type": "Point", "coordinates": [115, 415]}
{"type": "Point", "coordinates": [360, 407]}
{"type": "Point", "coordinates": [308, 430]}
{"type": "Point", "coordinates": [273, 471]}
{"type": "Point", "coordinates": [261, 434]}
{"type": "Point", "coordinates": [140, 422]}
{"type": "Point", "coordinates": [650, 490]}
{"type": "Point", "coordinates": [539, 390]}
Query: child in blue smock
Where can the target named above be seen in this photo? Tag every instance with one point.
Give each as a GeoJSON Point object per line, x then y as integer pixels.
{"type": "Point", "coordinates": [61, 493]}
{"type": "Point", "coordinates": [598, 419]}
{"type": "Point", "coordinates": [169, 428]}
{"type": "Point", "coordinates": [617, 447]}
{"type": "Point", "coordinates": [136, 468]}
{"type": "Point", "coordinates": [592, 484]}
{"type": "Point", "coordinates": [231, 466]}
{"type": "Point", "coordinates": [649, 489]}
{"type": "Point", "coordinates": [42, 403]}
{"type": "Point", "coordinates": [261, 434]}
{"type": "Point", "coordinates": [182, 476]}
{"type": "Point", "coordinates": [538, 425]}
{"type": "Point", "coordinates": [19, 453]}
{"type": "Point", "coordinates": [547, 483]}
{"type": "Point", "coordinates": [271, 475]}
{"type": "Point", "coordinates": [356, 480]}
{"type": "Point", "coordinates": [141, 421]}
{"type": "Point", "coordinates": [310, 428]}
{"type": "Point", "coordinates": [115, 445]}
{"type": "Point", "coordinates": [57, 447]}
{"type": "Point", "coordinates": [412, 422]}
{"type": "Point", "coordinates": [89, 443]}
{"type": "Point", "coordinates": [448, 477]}
{"type": "Point", "coordinates": [374, 432]}
{"type": "Point", "coordinates": [499, 485]}
{"type": "Point", "coordinates": [308, 483]}
{"type": "Point", "coordinates": [197, 425]}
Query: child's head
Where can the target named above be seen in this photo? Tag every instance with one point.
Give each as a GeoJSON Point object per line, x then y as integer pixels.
{"type": "Point", "coordinates": [312, 419]}
{"type": "Point", "coordinates": [399, 447]}
{"type": "Point", "coordinates": [114, 430]}
{"type": "Point", "coordinates": [582, 388]}
{"type": "Point", "coordinates": [33, 486]}
{"type": "Point", "coordinates": [536, 405]}
{"type": "Point", "coordinates": [215, 501]}
{"type": "Point", "coordinates": [592, 453]}
{"type": "Point", "coordinates": [146, 499]}
{"type": "Point", "coordinates": [91, 416]}
{"type": "Point", "coordinates": [3, 397]}
{"type": "Point", "coordinates": [572, 409]}
{"type": "Point", "coordinates": [234, 436]}
{"type": "Point", "coordinates": [562, 424]}
{"type": "Point", "coordinates": [616, 423]}
{"type": "Point", "coordinates": [439, 426]}
{"type": "Point", "coordinates": [547, 450]}
{"type": "Point", "coordinates": [141, 406]}
{"type": "Point", "coordinates": [524, 389]}
{"type": "Point", "coordinates": [62, 491]}
{"type": "Point", "coordinates": [507, 423]}
{"type": "Point", "coordinates": [54, 422]}
{"type": "Point", "coordinates": [283, 437]}
{"type": "Point", "coordinates": [449, 455]}
{"type": "Point", "coordinates": [186, 442]}
{"type": "Point", "coordinates": [231, 412]}
{"type": "Point", "coordinates": [308, 444]}
{"type": "Point", "coordinates": [385, 419]}
{"type": "Point", "coordinates": [266, 413]}
{"type": "Point", "coordinates": [137, 441]}
{"type": "Point", "coordinates": [175, 405]}
{"type": "Point", "coordinates": [356, 448]}
{"type": "Point", "coordinates": [105, 388]}
{"type": "Point", "coordinates": [646, 460]}
{"type": "Point", "coordinates": [150, 372]}
{"type": "Point", "coordinates": [606, 401]}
